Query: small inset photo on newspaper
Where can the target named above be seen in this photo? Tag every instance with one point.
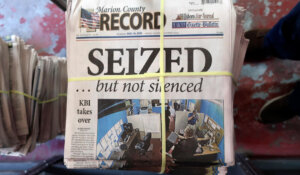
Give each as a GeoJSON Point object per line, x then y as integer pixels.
{"type": "Point", "coordinates": [130, 131]}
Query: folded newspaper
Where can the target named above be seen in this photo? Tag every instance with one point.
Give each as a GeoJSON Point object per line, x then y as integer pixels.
{"type": "Point", "coordinates": [32, 100]}
{"type": "Point", "coordinates": [151, 83]}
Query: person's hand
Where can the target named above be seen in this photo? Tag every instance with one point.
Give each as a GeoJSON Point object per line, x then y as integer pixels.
{"type": "Point", "coordinates": [191, 117]}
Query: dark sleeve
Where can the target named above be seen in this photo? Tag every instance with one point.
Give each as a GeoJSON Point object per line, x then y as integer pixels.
{"type": "Point", "coordinates": [168, 113]}
{"type": "Point", "coordinates": [178, 149]}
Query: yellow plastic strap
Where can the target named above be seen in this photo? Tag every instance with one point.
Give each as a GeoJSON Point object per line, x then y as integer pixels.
{"type": "Point", "coordinates": [32, 97]}
{"type": "Point", "coordinates": [152, 75]}
{"type": "Point", "coordinates": [52, 99]}
{"type": "Point", "coordinates": [24, 94]}
{"type": "Point", "coordinates": [161, 75]}
{"type": "Point", "coordinates": [162, 84]}
{"type": "Point", "coordinates": [4, 92]}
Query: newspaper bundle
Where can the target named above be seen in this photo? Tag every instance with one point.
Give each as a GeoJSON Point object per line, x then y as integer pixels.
{"type": "Point", "coordinates": [32, 97]}
{"type": "Point", "coordinates": [151, 83]}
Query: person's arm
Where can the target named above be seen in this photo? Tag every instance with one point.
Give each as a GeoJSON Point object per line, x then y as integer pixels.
{"type": "Point", "coordinates": [180, 137]}
{"type": "Point", "coordinates": [191, 117]}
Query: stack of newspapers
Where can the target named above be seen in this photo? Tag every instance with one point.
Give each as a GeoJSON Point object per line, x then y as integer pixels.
{"type": "Point", "coordinates": [32, 97]}
{"type": "Point", "coordinates": [151, 83]}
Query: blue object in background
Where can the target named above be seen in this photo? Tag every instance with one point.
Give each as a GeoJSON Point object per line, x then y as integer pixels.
{"type": "Point", "coordinates": [156, 109]}
{"type": "Point", "coordinates": [215, 112]}
{"type": "Point", "coordinates": [107, 122]}
{"type": "Point", "coordinates": [136, 106]}
{"type": "Point", "coordinates": [182, 105]}
{"type": "Point", "coordinates": [283, 39]}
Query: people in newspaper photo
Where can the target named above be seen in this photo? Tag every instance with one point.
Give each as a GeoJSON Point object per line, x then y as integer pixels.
{"type": "Point", "coordinates": [130, 130]}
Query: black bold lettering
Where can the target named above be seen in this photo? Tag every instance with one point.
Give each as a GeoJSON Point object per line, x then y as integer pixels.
{"type": "Point", "coordinates": [114, 21]}
{"type": "Point", "coordinates": [131, 61]}
{"type": "Point", "coordinates": [112, 61]}
{"type": "Point", "coordinates": [169, 59]}
{"type": "Point", "coordinates": [150, 60]}
{"type": "Point", "coordinates": [122, 21]}
{"type": "Point", "coordinates": [207, 56]}
{"type": "Point", "coordinates": [156, 19]}
{"type": "Point", "coordinates": [96, 62]}
{"type": "Point", "coordinates": [139, 20]}
{"type": "Point", "coordinates": [148, 17]}
{"type": "Point", "coordinates": [104, 19]}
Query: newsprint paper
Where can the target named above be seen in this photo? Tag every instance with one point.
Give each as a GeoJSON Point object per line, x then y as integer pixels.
{"type": "Point", "coordinates": [115, 122]}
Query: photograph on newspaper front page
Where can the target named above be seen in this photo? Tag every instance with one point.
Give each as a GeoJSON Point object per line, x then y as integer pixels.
{"type": "Point", "coordinates": [130, 129]}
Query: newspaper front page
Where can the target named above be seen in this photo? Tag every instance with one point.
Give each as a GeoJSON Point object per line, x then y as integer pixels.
{"type": "Point", "coordinates": [114, 114]}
